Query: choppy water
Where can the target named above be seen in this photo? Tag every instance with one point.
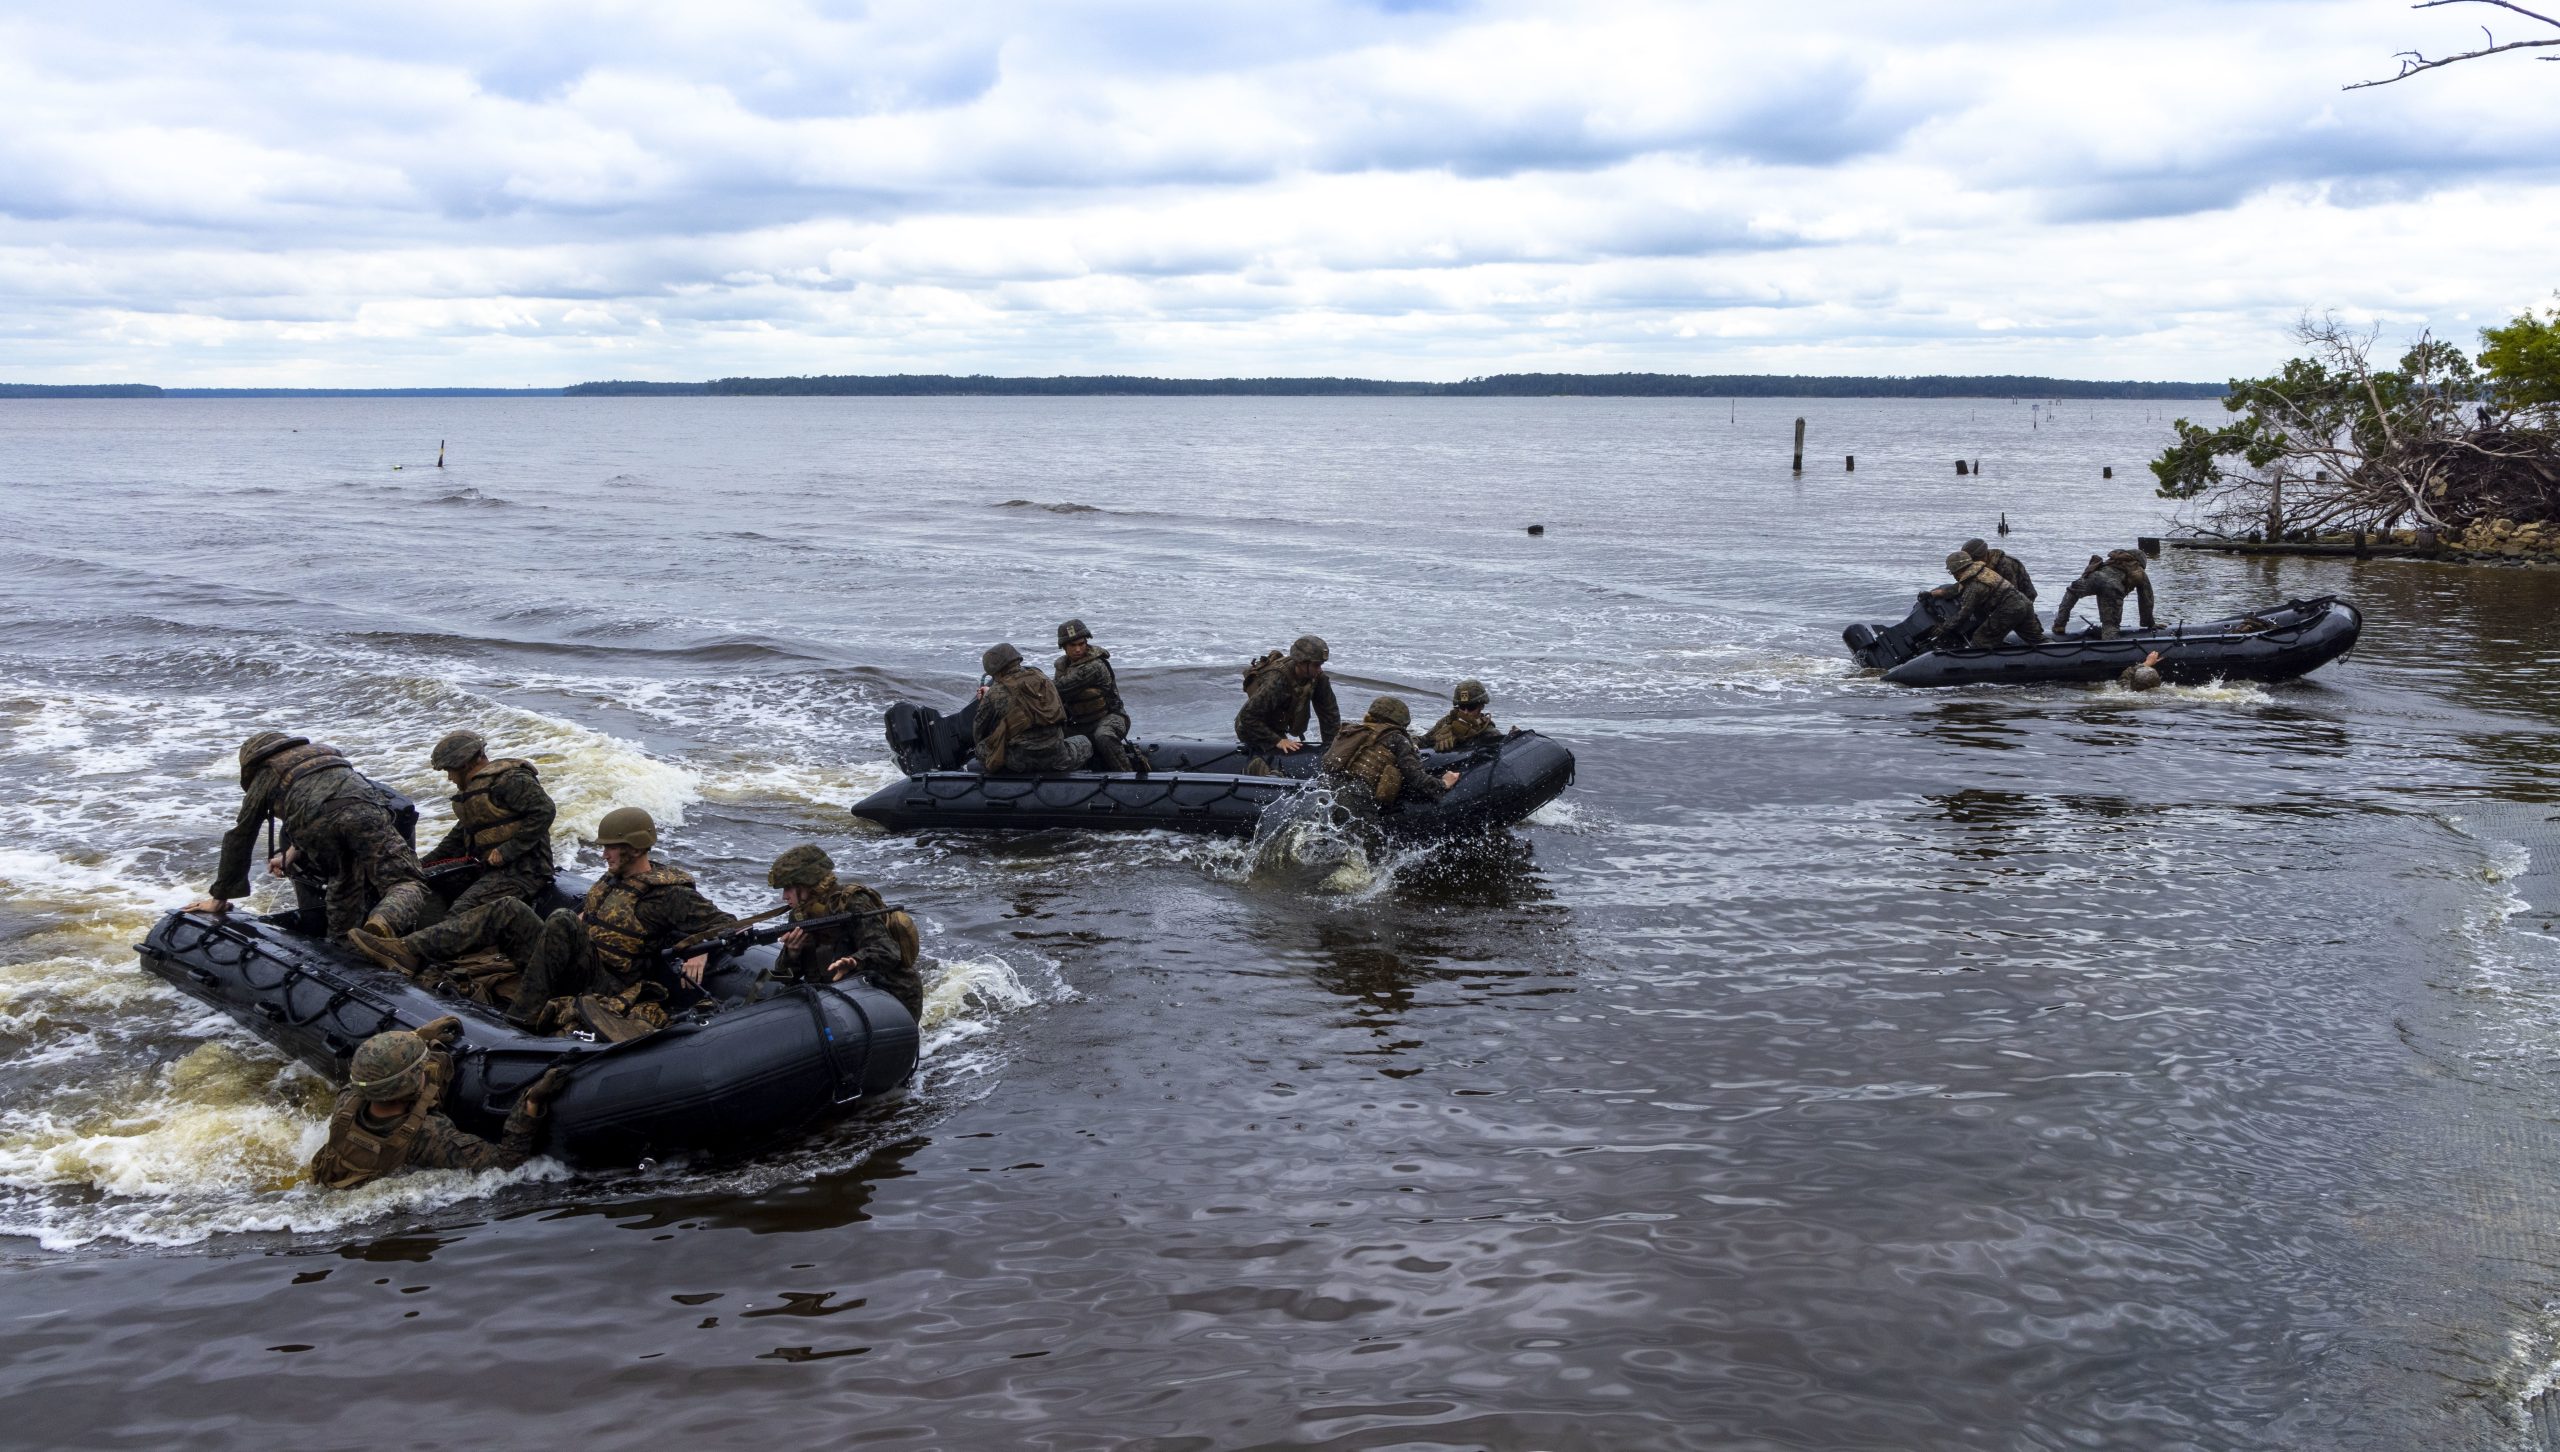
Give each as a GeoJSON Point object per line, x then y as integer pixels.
{"type": "Point", "coordinates": [1834, 1066]}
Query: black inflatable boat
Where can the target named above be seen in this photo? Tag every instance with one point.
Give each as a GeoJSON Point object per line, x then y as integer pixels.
{"type": "Point", "coordinates": [1191, 786]}
{"type": "Point", "coordinates": [2277, 644]}
{"type": "Point", "coordinates": [770, 1062]}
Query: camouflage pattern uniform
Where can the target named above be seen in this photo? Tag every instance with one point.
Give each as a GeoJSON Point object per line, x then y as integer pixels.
{"type": "Point", "coordinates": [1374, 764]}
{"type": "Point", "coordinates": [873, 943]}
{"type": "Point", "coordinates": [2121, 573]}
{"type": "Point", "coordinates": [366, 1144]}
{"type": "Point", "coordinates": [501, 807]}
{"type": "Point", "coordinates": [1018, 721]}
{"type": "Point", "coordinates": [339, 829]}
{"type": "Point", "coordinates": [1990, 608]}
{"type": "Point", "coordinates": [1278, 700]}
{"type": "Point", "coordinates": [613, 942]}
{"type": "Point", "coordinates": [1090, 691]}
{"type": "Point", "coordinates": [1464, 724]}
{"type": "Point", "coordinates": [2009, 566]}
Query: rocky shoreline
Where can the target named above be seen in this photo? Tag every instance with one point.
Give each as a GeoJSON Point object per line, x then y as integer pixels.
{"type": "Point", "coordinates": [2483, 542]}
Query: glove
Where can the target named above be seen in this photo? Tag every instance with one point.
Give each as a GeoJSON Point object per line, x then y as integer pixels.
{"type": "Point", "coordinates": [440, 1031]}
{"type": "Point", "coordinates": [536, 1099]}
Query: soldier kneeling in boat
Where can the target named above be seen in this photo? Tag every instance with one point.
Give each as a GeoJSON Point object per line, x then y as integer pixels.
{"type": "Point", "coordinates": [1019, 722]}
{"type": "Point", "coordinates": [338, 828]}
{"type": "Point", "coordinates": [611, 949]}
{"type": "Point", "coordinates": [1280, 691]}
{"type": "Point", "coordinates": [1988, 607]}
{"type": "Point", "coordinates": [1465, 721]}
{"type": "Point", "coordinates": [391, 1117]}
{"type": "Point", "coordinates": [880, 945]}
{"type": "Point", "coordinates": [2120, 573]}
{"type": "Point", "coordinates": [501, 820]}
{"type": "Point", "coordinates": [1089, 690]}
{"type": "Point", "coordinates": [1373, 764]}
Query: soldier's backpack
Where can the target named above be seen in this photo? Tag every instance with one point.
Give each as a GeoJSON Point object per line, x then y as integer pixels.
{"type": "Point", "coordinates": [1259, 665]}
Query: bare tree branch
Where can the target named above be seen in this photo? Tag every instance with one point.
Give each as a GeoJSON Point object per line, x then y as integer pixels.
{"type": "Point", "coordinates": [2413, 62]}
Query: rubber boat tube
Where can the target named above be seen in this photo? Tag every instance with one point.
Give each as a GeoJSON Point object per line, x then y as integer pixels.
{"type": "Point", "coordinates": [1193, 786]}
{"type": "Point", "coordinates": [2276, 644]}
{"type": "Point", "coordinates": [771, 1062]}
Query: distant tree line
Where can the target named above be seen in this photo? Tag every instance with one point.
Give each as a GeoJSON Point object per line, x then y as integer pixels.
{"type": "Point", "coordinates": [1500, 385]}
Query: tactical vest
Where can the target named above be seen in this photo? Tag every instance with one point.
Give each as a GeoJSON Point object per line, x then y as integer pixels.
{"type": "Point", "coordinates": [1256, 667]}
{"type": "Point", "coordinates": [485, 823]}
{"type": "Point", "coordinates": [1455, 730]}
{"type": "Point", "coordinates": [357, 1154]}
{"type": "Point", "coordinates": [612, 915]}
{"type": "Point", "coordinates": [2128, 563]}
{"type": "Point", "coordinates": [2002, 592]}
{"type": "Point", "coordinates": [836, 897]}
{"type": "Point", "coordinates": [298, 763]}
{"type": "Point", "coordinates": [1363, 753]}
{"type": "Point", "coordinates": [1087, 703]}
{"type": "Point", "coordinates": [1031, 706]}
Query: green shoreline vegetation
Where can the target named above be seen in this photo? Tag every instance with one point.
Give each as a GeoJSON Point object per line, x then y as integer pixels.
{"type": "Point", "coordinates": [1500, 385]}
{"type": "Point", "coordinates": [2436, 452]}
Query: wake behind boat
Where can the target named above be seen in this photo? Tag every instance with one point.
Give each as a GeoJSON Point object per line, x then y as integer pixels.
{"type": "Point", "coordinates": [1191, 786]}
{"type": "Point", "coordinates": [2276, 644]}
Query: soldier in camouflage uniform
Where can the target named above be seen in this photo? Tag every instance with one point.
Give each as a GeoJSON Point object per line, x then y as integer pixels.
{"type": "Point", "coordinates": [1373, 764]}
{"type": "Point", "coordinates": [1019, 724]}
{"type": "Point", "coordinates": [1988, 609]}
{"type": "Point", "coordinates": [1466, 719]}
{"type": "Point", "coordinates": [613, 944]}
{"type": "Point", "coordinates": [2121, 573]}
{"type": "Point", "coordinates": [881, 948]}
{"type": "Point", "coordinates": [391, 1115]}
{"type": "Point", "coordinates": [501, 819]}
{"type": "Point", "coordinates": [2011, 568]}
{"type": "Point", "coordinates": [338, 827]}
{"type": "Point", "coordinates": [1090, 691]}
{"type": "Point", "coordinates": [2142, 677]}
{"type": "Point", "coordinates": [1280, 691]}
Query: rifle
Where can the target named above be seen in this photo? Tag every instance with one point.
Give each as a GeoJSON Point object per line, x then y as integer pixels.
{"type": "Point", "coordinates": [739, 936]}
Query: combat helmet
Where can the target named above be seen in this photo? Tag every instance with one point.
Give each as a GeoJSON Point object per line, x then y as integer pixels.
{"type": "Point", "coordinates": [1960, 564]}
{"type": "Point", "coordinates": [1978, 548]}
{"type": "Point", "coordinates": [627, 827]}
{"type": "Point", "coordinates": [261, 746]}
{"type": "Point", "coordinates": [1392, 710]}
{"type": "Point", "coordinates": [456, 750]}
{"type": "Point", "coordinates": [1471, 695]}
{"type": "Point", "coordinates": [806, 865]}
{"type": "Point", "coordinates": [1309, 650]}
{"type": "Point", "coordinates": [389, 1066]}
{"type": "Point", "coordinates": [2146, 678]}
{"type": "Point", "coordinates": [999, 659]}
{"type": "Point", "coordinates": [1071, 632]}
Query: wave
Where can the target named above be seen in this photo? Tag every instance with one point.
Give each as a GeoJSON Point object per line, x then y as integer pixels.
{"type": "Point", "coordinates": [1058, 508]}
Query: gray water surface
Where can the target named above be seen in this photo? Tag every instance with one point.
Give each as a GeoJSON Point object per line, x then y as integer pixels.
{"type": "Point", "coordinates": [1833, 1066]}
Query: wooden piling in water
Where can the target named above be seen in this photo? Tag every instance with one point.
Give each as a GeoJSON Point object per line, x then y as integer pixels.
{"type": "Point", "coordinates": [1799, 463]}
{"type": "Point", "coordinates": [439, 453]}
{"type": "Point", "coordinates": [2107, 471]}
{"type": "Point", "coordinates": [1960, 469]}
{"type": "Point", "coordinates": [1853, 464]}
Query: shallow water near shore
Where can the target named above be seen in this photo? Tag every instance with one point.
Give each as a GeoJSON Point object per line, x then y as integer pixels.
{"type": "Point", "coordinates": [1832, 1066]}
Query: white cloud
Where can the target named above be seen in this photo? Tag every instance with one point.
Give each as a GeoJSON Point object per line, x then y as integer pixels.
{"type": "Point", "coordinates": [508, 193]}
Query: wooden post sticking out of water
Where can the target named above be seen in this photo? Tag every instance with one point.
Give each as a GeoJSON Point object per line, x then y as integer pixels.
{"type": "Point", "coordinates": [1853, 463]}
{"type": "Point", "coordinates": [2107, 471]}
{"type": "Point", "coordinates": [1799, 464]}
{"type": "Point", "coordinates": [1960, 469]}
{"type": "Point", "coordinates": [439, 453]}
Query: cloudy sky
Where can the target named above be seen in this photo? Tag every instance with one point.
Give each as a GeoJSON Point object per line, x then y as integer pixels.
{"type": "Point", "coordinates": [521, 192]}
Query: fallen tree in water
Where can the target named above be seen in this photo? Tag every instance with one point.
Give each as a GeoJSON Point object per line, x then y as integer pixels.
{"type": "Point", "coordinates": [2335, 445]}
